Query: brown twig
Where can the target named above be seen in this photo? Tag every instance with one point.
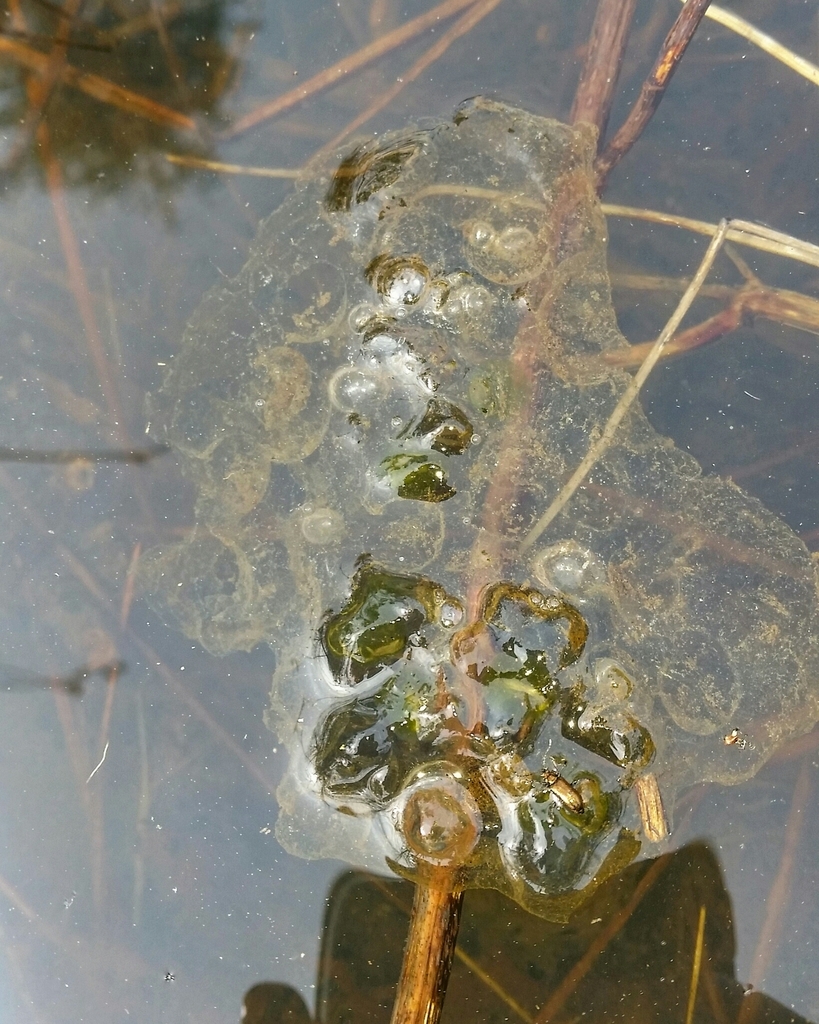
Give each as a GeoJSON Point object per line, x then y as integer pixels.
{"type": "Point", "coordinates": [81, 292]}
{"type": "Point", "coordinates": [433, 932]}
{"type": "Point", "coordinates": [140, 23]}
{"type": "Point", "coordinates": [61, 456]}
{"type": "Point", "coordinates": [347, 65]}
{"type": "Point", "coordinates": [108, 708]}
{"type": "Point", "coordinates": [220, 167]}
{"type": "Point", "coordinates": [805, 446]}
{"type": "Point", "coordinates": [675, 45]}
{"type": "Point", "coordinates": [129, 587]}
{"type": "Point", "coordinates": [629, 396]}
{"type": "Point", "coordinates": [41, 88]}
{"type": "Point", "coordinates": [726, 547]}
{"type": "Point", "coordinates": [379, 12]}
{"type": "Point", "coordinates": [45, 40]}
{"type": "Point", "coordinates": [180, 86]}
{"type": "Point", "coordinates": [604, 58]}
{"type": "Point", "coordinates": [753, 299]}
{"type": "Point", "coordinates": [696, 967]}
{"type": "Point", "coordinates": [60, 11]}
{"type": "Point", "coordinates": [99, 88]}
{"type": "Point", "coordinates": [90, 799]}
{"type": "Point", "coordinates": [468, 962]}
{"type": "Point", "coordinates": [78, 570]}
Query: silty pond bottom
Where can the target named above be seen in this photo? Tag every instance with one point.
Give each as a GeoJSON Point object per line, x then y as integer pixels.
{"type": "Point", "coordinates": [375, 412]}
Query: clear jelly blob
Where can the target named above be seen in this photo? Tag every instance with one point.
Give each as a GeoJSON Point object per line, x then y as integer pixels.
{"type": "Point", "coordinates": [613, 683]}
{"type": "Point", "coordinates": [351, 388]}
{"type": "Point", "coordinates": [570, 568]}
{"type": "Point", "coordinates": [441, 822]}
{"type": "Point", "coordinates": [322, 526]}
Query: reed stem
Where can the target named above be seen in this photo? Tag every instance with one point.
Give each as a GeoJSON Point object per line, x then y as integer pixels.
{"type": "Point", "coordinates": [433, 932]}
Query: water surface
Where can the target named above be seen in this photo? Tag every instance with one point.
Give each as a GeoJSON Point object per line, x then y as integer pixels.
{"type": "Point", "coordinates": [155, 890]}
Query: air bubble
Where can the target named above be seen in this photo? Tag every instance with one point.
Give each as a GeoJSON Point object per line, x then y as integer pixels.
{"type": "Point", "coordinates": [383, 346]}
{"type": "Point", "coordinates": [451, 614]}
{"type": "Point", "coordinates": [361, 316]}
{"type": "Point", "coordinates": [406, 288]}
{"type": "Point", "coordinates": [472, 299]}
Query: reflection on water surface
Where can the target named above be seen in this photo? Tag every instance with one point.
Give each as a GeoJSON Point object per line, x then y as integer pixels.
{"type": "Point", "coordinates": [164, 862]}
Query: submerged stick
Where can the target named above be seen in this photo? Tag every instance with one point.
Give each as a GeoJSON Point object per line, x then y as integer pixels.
{"type": "Point", "coordinates": [742, 232]}
{"type": "Point", "coordinates": [467, 21]}
{"type": "Point", "coordinates": [347, 65]}
{"type": "Point", "coordinates": [604, 57]}
{"type": "Point", "coordinates": [442, 825]}
{"type": "Point", "coordinates": [696, 967]}
{"type": "Point", "coordinates": [772, 46]}
{"type": "Point", "coordinates": [433, 932]}
{"type": "Point", "coordinates": [653, 90]}
{"type": "Point", "coordinates": [97, 87]}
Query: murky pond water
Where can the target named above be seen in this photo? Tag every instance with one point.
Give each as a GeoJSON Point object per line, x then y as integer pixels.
{"type": "Point", "coordinates": [155, 887]}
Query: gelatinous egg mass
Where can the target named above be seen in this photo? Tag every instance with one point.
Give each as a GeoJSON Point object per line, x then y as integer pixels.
{"type": "Point", "coordinates": [374, 413]}
{"type": "Point", "coordinates": [441, 822]}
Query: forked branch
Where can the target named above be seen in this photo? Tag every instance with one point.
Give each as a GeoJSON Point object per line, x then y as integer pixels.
{"type": "Point", "coordinates": [675, 45]}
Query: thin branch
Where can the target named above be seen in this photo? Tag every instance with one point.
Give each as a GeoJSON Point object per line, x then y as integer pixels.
{"type": "Point", "coordinates": [776, 904]}
{"type": "Point", "coordinates": [79, 287]}
{"type": "Point", "coordinates": [613, 927]}
{"type": "Point", "coordinates": [604, 58]}
{"type": "Point", "coordinates": [468, 20]}
{"type": "Point", "coordinates": [741, 306]}
{"type": "Point", "coordinates": [347, 65]}
{"type": "Point", "coordinates": [597, 449]}
{"type": "Point", "coordinates": [200, 163]}
{"type": "Point", "coordinates": [755, 236]}
{"type": "Point", "coordinates": [68, 455]}
{"type": "Point", "coordinates": [696, 967]}
{"type": "Point", "coordinates": [94, 85]}
{"type": "Point", "coordinates": [41, 88]}
{"type": "Point", "coordinates": [675, 45]}
{"type": "Point", "coordinates": [765, 42]}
